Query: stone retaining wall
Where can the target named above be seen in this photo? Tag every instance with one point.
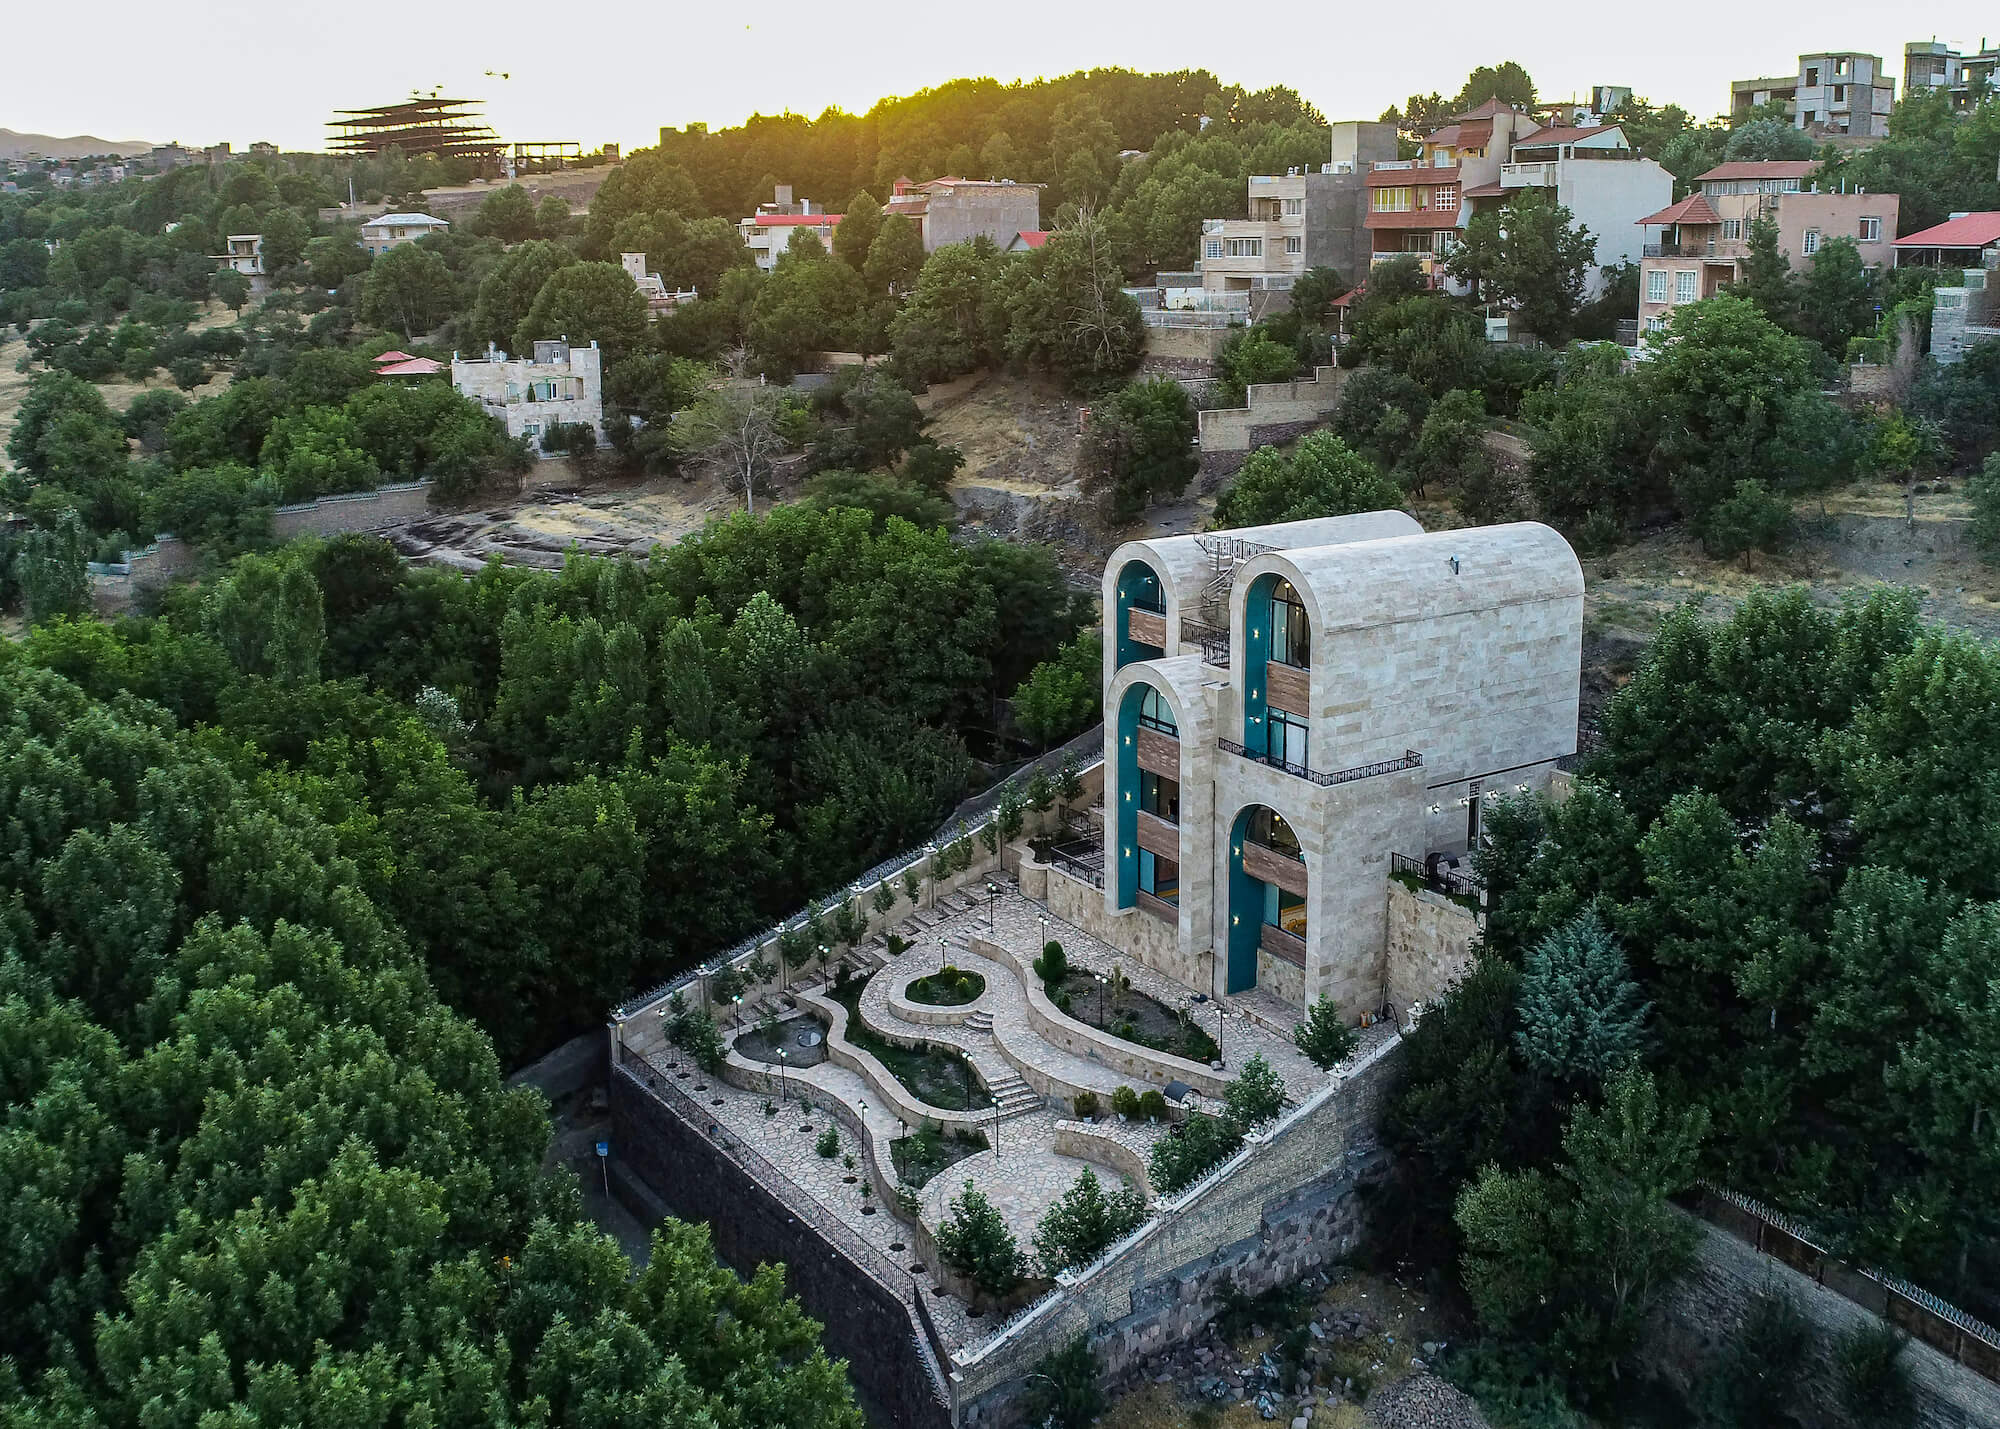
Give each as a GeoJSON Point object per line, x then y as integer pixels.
{"type": "Point", "coordinates": [865, 1323]}
{"type": "Point", "coordinates": [1429, 943]}
{"type": "Point", "coordinates": [1085, 1142]}
{"type": "Point", "coordinates": [352, 511]}
{"type": "Point", "coordinates": [1155, 944]}
{"type": "Point", "coordinates": [1274, 411]}
{"type": "Point", "coordinates": [1286, 1204]}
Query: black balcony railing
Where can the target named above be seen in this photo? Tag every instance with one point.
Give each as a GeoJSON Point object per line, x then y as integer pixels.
{"type": "Point", "coordinates": [1324, 778]}
{"type": "Point", "coordinates": [1437, 876]}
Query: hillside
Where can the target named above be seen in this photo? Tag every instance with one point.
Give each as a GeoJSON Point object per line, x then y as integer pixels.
{"type": "Point", "coordinates": [15, 145]}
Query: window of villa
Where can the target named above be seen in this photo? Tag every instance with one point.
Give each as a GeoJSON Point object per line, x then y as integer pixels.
{"type": "Point", "coordinates": [1446, 196]}
{"type": "Point", "coordinates": [1212, 248]}
{"type": "Point", "coordinates": [1291, 638]}
{"type": "Point", "coordinates": [1656, 285]}
{"type": "Point", "coordinates": [1295, 244]}
{"type": "Point", "coordinates": [1811, 244]}
{"type": "Point", "coordinates": [1285, 910]}
{"type": "Point", "coordinates": [1160, 796]}
{"type": "Point", "coordinates": [1286, 736]}
{"type": "Point", "coordinates": [1396, 200]}
{"type": "Point", "coordinates": [1871, 230]}
{"type": "Point", "coordinates": [1155, 713]}
{"type": "Point", "coordinates": [1148, 595]}
{"type": "Point", "coordinates": [1270, 830]}
{"type": "Point", "coordinates": [1295, 206]}
{"type": "Point", "coordinates": [1732, 228]}
{"type": "Point", "coordinates": [1159, 876]}
{"type": "Point", "coordinates": [1684, 285]}
{"type": "Point", "coordinates": [1246, 248]}
{"type": "Point", "coordinates": [1656, 324]}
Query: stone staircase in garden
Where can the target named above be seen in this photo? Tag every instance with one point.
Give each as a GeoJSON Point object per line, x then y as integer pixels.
{"type": "Point", "coordinates": [980, 1021]}
{"type": "Point", "coordinates": [1013, 1096]}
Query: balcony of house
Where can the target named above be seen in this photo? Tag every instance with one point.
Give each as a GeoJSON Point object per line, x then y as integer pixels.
{"type": "Point", "coordinates": [1146, 619]}
{"type": "Point", "coordinates": [1450, 874]}
{"type": "Point", "coordinates": [1530, 176]}
{"type": "Point", "coordinates": [1324, 778]}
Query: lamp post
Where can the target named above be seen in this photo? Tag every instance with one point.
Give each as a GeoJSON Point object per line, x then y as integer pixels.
{"type": "Point", "coordinates": [738, 1000]}
{"type": "Point", "coordinates": [1043, 919]}
{"type": "Point", "coordinates": [1100, 998]}
{"type": "Point", "coordinates": [781, 1075]}
{"type": "Point", "coordinates": [992, 903]}
{"type": "Point", "coordinates": [940, 952]}
{"type": "Point", "coordinates": [1221, 1059]}
{"type": "Point", "coordinates": [996, 1133]}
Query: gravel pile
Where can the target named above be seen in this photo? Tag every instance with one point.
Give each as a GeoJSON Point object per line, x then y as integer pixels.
{"type": "Point", "coordinates": [1423, 1401]}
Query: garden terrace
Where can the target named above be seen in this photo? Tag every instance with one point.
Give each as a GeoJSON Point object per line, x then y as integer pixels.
{"type": "Point", "coordinates": [1021, 1145]}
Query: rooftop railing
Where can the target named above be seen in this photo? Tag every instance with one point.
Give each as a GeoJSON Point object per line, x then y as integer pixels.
{"type": "Point", "coordinates": [1324, 778]}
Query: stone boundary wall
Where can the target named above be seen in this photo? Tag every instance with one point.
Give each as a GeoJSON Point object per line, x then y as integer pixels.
{"type": "Point", "coordinates": [866, 1324]}
{"type": "Point", "coordinates": [1709, 1304]}
{"type": "Point", "coordinates": [1429, 943]}
{"type": "Point", "coordinates": [1085, 1142]}
{"type": "Point", "coordinates": [1284, 1205]}
{"type": "Point", "coordinates": [1272, 407]}
{"type": "Point", "coordinates": [113, 586]}
{"type": "Point", "coordinates": [352, 511]}
{"type": "Point", "coordinates": [1185, 344]}
{"type": "Point", "coordinates": [1144, 937]}
{"type": "Point", "coordinates": [581, 1062]}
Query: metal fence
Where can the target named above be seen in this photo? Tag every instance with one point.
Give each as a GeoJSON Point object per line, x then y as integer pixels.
{"type": "Point", "coordinates": [891, 1276]}
{"type": "Point", "coordinates": [1911, 1308]}
{"type": "Point", "coordinates": [1453, 882]}
{"type": "Point", "coordinates": [1325, 778]}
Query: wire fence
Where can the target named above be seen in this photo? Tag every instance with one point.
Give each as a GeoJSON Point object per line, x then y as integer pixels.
{"type": "Point", "coordinates": [1924, 1315]}
{"type": "Point", "coordinates": [893, 1277]}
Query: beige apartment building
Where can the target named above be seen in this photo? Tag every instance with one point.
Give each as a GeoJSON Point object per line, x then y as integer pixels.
{"type": "Point", "coordinates": [1705, 238]}
{"type": "Point", "coordinates": [1833, 94]}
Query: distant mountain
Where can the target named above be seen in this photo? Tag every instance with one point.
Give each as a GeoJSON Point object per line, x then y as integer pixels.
{"type": "Point", "coordinates": [77, 146]}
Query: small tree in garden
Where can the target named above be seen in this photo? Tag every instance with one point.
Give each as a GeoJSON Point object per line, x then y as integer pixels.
{"type": "Point", "coordinates": [912, 885]}
{"type": "Point", "coordinates": [1069, 783]}
{"type": "Point", "coordinates": [1084, 1221]}
{"type": "Point", "coordinates": [1052, 966]}
{"type": "Point", "coordinates": [795, 947]}
{"type": "Point", "coordinates": [1041, 791]}
{"type": "Point", "coordinates": [849, 925]}
{"type": "Point", "coordinates": [961, 853]}
{"type": "Point", "coordinates": [974, 1240]}
{"type": "Point", "coordinates": [1012, 813]}
{"type": "Point", "coordinates": [1199, 1144]}
{"type": "Point", "coordinates": [1256, 1096]}
{"type": "Point", "coordinates": [885, 897]}
{"type": "Point", "coordinates": [1324, 1036]}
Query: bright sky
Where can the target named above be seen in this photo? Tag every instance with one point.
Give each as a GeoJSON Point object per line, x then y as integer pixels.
{"type": "Point", "coordinates": [203, 71]}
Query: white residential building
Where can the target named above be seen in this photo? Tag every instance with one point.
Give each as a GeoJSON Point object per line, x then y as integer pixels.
{"type": "Point", "coordinates": [393, 230]}
{"type": "Point", "coordinates": [559, 383]}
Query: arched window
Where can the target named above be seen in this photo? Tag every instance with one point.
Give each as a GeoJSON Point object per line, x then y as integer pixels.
{"type": "Point", "coordinates": [1155, 713]}
{"type": "Point", "coordinates": [1291, 635]}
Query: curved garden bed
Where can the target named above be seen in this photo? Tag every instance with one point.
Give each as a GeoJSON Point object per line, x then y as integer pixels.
{"type": "Point", "coordinates": [935, 1074]}
{"type": "Point", "coordinates": [949, 987]}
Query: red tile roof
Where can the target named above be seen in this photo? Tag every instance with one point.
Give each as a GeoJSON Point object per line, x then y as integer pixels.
{"type": "Point", "coordinates": [1967, 230]}
{"type": "Point", "coordinates": [411, 367]}
{"type": "Point", "coordinates": [1487, 110]}
{"type": "Point", "coordinates": [1695, 208]}
{"type": "Point", "coordinates": [1563, 134]}
{"type": "Point", "coordinates": [1492, 190]}
{"type": "Point", "coordinates": [1761, 169]}
{"type": "Point", "coordinates": [1447, 137]}
{"type": "Point", "coordinates": [783, 220]}
{"type": "Point", "coordinates": [393, 355]}
{"type": "Point", "coordinates": [1379, 178]}
{"type": "Point", "coordinates": [1033, 237]}
{"type": "Point", "coordinates": [1474, 135]}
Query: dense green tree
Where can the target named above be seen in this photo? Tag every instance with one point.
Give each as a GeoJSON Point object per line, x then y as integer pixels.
{"type": "Point", "coordinates": [809, 304]}
{"type": "Point", "coordinates": [49, 569]}
{"type": "Point", "coordinates": [1139, 449]}
{"type": "Point", "coordinates": [895, 257]}
{"type": "Point", "coordinates": [1324, 1035]}
{"type": "Point", "coordinates": [1083, 155]}
{"type": "Point", "coordinates": [1322, 476]}
{"type": "Point", "coordinates": [1061, 695]}
{"type": "Point", "coordinates": [1766, 139]}
{"type": "Point", "coordinates": [1539, 267]}
{"type": "Point", "coordinates": [509, 289]}
{"type": "Point", "coordinates": [947, 326]}
{"type": "Point", "coordinates": [1084, 1222]}
{"type": "Point", "coordinates": [1381, 413]}
{"type": "Point", "coordinates": [860, 223]}
{"type": "Point", "coordinates": [1768, 280]}
{"type": "Point", "coordinates": [1067, 312]}
{"type": "Point", "coordinates": [1507, 82]}
{"type": "Point", "coordinates": [1582, 1016]}
{"type": "Point", "coordinates": [408, 290]}
{"type": "Point", "coordinates": [1248, 358]}
{"type": "Point", "coordinates": [1451, 447]}
{"type": "Point", "coordinates": [508, 214]}
{"type": "Point", "coordinates": [1836, 298]}
{"type": "Point", "coordinates": [647, 182]}
{"type": "Point", "coordinates": [974, 1241]}
{"type": "Point", "coordinates": [586, 303]}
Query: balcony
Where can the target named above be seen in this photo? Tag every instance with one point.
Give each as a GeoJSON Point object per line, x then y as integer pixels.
{"type": "Point", "coordinates": [1529, 176]}
{"type": "Point", "coordinates": [1325, 779]}
{"type": "Point", "coordinates": [1146, 627]}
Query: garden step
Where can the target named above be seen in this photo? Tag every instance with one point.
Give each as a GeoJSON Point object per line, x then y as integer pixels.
{"type": "Point", "coordinates": [979, 1021]}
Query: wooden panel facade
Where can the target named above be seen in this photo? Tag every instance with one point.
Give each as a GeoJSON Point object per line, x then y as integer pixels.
{"type": "Point", "coordinates": [1158, 836]}
{"type": "Point", "coordinates": [1280, 944]}
{"type": "Point", "coordinates": [1260, 862]}
{"type": "Point", "coordinates": [1158, 907]}
{"type": "Point", "coordinates": [1287, 688]}
{"type": "Point", "coordinates": [1147, 627]}
{"type": "Point", "coordinates": [1159, 753]}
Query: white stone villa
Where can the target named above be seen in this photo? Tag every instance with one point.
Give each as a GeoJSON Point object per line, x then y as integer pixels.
{"type": "Point", "coordinates": [1286, 707]}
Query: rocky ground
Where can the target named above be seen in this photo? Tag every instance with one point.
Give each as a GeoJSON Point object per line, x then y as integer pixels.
{"type": "Point", "coordinates": [1357, 1353]}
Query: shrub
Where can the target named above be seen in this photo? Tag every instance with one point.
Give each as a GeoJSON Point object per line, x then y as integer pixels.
{"type": "Point", "coordinates": [1256, 1096]}
{"type": "Point", "coordinates": [1324, 1036]}
{"type": "Point", "coordinates": [694, 1032]}
{"type": "Point", "coordinates": [1085, 1103]}
{"type": "Point", "coordinates": [974, 1240]}
{"type": "Point", "coordinates": [885, 897]}
{"type": "Point", "coordinates": [1152, 1104]}
{"type": "Point", "coordinates": [1753, 518]}
{"type": "Point", "coordinates": [1198, 1144]}
{"type": "Point", "coordinates": [1084, 1221]}
{"type": "Point", "coordinates": [1052, 967]}
{"type": "Point", "coordinates": [1125, 1101]}
{"type": "Point", "coordinates": [828, 1144]}
{"type": "Point", "coordinates": [1870, 1379]}
{"type": "Point", "coordinates": [1755, 1379]}
{"type": "Point", "coordinates": [1062, 1390]}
